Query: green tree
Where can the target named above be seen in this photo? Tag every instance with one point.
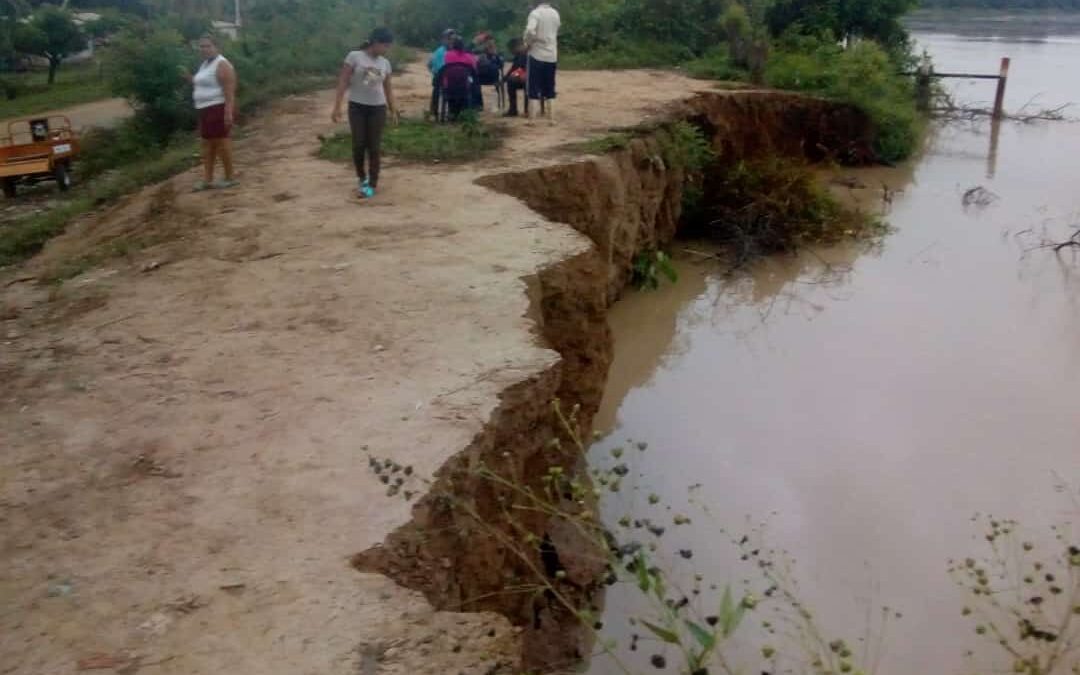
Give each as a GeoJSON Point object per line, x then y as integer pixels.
{"type": "Point", "coordinates": [52, 33]}
{"type": "Point", "coordinates": [842, 19]}
{"type": "Point", "coordinates": [693, 23]}
{"type": "Point", "coordinates": [10, 12]}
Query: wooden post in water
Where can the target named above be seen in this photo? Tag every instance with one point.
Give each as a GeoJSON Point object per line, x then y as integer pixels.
{"type": "Point", "coordinates": [1003, 80]}
{"type": "Point", "coordinates": [922, 87]}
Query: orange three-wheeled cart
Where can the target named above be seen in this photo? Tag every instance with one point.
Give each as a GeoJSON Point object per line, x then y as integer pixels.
{"type": "Point", "coordinates": [35, 150]}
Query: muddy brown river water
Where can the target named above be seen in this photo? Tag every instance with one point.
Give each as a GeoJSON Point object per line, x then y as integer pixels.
{"type": "Point", "coordinates": [867, 401]}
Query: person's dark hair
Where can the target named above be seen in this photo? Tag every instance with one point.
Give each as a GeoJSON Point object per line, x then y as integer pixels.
{"type": "Point", "coordinates": [515, 44]}
{"type": "Point", "coordinates": [211, 38]}
{"type": "Point", "coordinates": [458, 45]}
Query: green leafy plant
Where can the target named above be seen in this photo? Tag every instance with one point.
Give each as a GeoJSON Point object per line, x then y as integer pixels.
{"type": "Point", "coordinates": [650, 267]}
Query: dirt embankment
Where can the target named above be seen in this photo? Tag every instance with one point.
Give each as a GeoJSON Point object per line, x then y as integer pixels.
{"type": "Point", "coordinates": [625, 202]}
{"type": "Point", "coordinates": [187, 422]}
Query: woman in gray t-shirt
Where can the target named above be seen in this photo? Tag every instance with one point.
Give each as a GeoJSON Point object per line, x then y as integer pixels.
{"type": "Point", "coordinates": [365, 75]}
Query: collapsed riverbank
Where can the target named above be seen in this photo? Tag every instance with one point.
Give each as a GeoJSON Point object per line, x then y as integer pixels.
{"type": "Point", "coordinates": [188, 420]}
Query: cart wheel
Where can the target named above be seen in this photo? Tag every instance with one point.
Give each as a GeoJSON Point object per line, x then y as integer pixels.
{"type": "Point", "coordinates": [63, 177]}
{"type": "Point", "coordinates": [9, 188]}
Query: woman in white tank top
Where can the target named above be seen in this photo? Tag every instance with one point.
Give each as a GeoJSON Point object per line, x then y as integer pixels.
{"type": "Point", "coordinates": [215, 100]}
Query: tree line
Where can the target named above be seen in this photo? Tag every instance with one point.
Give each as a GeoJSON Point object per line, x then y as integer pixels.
{"type": "Point", "coordinates": [813, 45]}
{"type": "Point", "coordinates": [1002, 4]}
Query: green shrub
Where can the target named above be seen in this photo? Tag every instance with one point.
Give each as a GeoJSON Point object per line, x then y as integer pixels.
{"type": "Point", "coordinates": [685, 146]}
{"type": "Point", "coordinates": [773, 205]}
{"type": "Point", "coordinates": [739, 31]}
{"type": "Point", "coordinates": [146, 68]}
{"type": "Point", "coordinates": [864, 76]}
{"type": "Point", "coordinates": [715, 65]}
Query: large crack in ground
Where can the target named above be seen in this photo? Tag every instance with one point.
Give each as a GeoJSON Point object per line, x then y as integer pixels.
{"type": "Point", "coordinates": [625, 202]}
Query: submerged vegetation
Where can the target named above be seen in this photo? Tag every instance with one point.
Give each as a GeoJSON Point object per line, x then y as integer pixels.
{"type": "Point", "coordinates": [650, 267]}
{"type": "Point", "coordinates": [772, 205]}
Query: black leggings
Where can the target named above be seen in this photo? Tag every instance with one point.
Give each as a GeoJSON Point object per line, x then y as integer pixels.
{"type": "Point", "coordinates": [367, 123]}
{"type": "Point", "coordinates": [512, 89]}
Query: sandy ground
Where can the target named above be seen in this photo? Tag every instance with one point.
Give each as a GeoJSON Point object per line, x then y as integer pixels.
{"type": "Point", "coordinates": [183, 474]}
{"type": "Point", "coordinates": [105, 113]}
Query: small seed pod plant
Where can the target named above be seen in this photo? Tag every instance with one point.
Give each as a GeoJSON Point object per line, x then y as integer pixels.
{"type": "Point", "coordinates": [1023, 598]}
{"type": "Point", "coordinates": [579, 531]}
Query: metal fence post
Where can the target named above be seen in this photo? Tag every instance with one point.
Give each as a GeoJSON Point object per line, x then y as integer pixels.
{"type": "Point", "coordinates": [1003, 80]}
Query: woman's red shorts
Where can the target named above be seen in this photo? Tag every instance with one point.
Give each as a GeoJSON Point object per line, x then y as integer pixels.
{"type": "Point", "coordinates": [212, 124]}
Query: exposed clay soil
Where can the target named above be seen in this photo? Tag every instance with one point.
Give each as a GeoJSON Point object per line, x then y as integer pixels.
{"type": "Point", "coordinates": [183, 473]}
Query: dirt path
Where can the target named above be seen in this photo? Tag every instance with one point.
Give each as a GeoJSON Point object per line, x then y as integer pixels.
{"type": "Point", "coordinates": [182, 430]}
{"type": "Point", "coordinates": [105, 113]}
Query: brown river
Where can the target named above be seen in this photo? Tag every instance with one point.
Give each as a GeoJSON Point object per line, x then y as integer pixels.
{"type": "Point", "coordinates": [866, 401]}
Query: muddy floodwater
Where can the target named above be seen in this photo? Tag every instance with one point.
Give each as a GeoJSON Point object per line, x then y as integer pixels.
{"type": "Point", "coordinates": [866, 402]}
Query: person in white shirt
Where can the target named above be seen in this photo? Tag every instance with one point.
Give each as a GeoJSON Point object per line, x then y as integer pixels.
{"type": "Point", "coordinates": [365, 77]}
{"type": "Point", "coordinates": [542, 40]}
{"type": "Point", "coordinates": [215, 100]}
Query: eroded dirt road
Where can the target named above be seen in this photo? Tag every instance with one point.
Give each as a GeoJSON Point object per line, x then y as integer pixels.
{"type": "Point", "coordinates": [183, 474]}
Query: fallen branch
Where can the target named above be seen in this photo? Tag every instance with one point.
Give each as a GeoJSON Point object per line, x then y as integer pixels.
{"type": "Point", "coordinates": [1074, 240]}
{"type": "Point", "coordinates": [948, 109]}
{"type": "Point", "coordinates": [1058, 246]}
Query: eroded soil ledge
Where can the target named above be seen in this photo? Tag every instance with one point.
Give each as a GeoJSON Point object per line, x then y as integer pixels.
{"type": "Point", "coordinates": [625, 202]}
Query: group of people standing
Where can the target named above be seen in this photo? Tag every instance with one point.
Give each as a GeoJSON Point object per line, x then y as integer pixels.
{"type": "Point", "coordinates": [365, 77]}
{"type": "Point", "coordinates": [459, 75]}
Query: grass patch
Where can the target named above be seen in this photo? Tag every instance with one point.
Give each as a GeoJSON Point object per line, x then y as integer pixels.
{"type": "Point", "coordinates": [423, 141]}
{"type": "Point", "coordinates": [772, 205]}
{"type": "Point", "coordinates": [602, 145]}
{"type": "Point", "coordinates": [23, 237]}
{"type": "Point", "coordinates": [74, 85]}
